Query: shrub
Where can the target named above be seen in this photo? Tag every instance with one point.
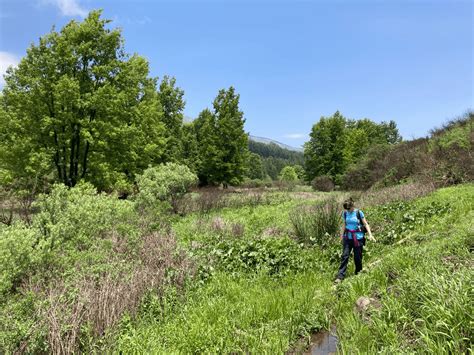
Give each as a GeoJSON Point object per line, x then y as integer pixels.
{"type": "Point", "coordinates": [322, 183]}
{"type": "Point", "coordinates": [252, 183]}
{"type": "Point", "coordinates": [77, 315]}
{"type": "Point", "coordinates": [75, 219]}
{"type": "Point", "coordinates": [81, 265]}
{"type": "Point", "coordinates": [17, 255]}
{"type": "Point", "coordinates": [288, 174]}
{"type": "Point", "coordinates": [166, 183]}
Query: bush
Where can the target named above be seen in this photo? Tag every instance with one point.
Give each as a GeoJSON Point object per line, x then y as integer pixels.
{"type": "Point", "coordinates": [75, 219]}
{"type": "Point", "coordinates": [17, 255]}
{"type": "Point", "coordinates": [166, 183]}
{"type": "Point", "coordinates": [252, 183]}
{"type": "Point", "coordinates": [82, 265]}
{"type": "Point", "coordinates": [288, 174]}
{"type": "Point", "coordinates": [322, 183]}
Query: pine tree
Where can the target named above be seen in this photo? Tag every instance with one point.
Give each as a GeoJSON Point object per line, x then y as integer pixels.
{"type": "Point", "coordinates": [208, 150]}
{"type": "Point", "coordinates": [232, 139]}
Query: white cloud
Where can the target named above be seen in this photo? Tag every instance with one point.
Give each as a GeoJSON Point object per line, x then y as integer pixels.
{"type": "Point", "coordinates": [6, 60]}
{"type": "Point", "coordinates": [295, 135]}
{"type": "Point", "coordinates": [68, 7]}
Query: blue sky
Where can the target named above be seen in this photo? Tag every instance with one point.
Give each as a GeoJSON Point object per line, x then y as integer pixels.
{"type": "Point", "coordinates": [291, 61]}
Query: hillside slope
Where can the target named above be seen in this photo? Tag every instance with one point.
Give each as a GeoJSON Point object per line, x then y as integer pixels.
{"type": "Point", "coordinates": [417, 280]}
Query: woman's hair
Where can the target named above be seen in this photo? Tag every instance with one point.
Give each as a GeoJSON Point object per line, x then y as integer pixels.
{"type": "Point", "coordinates": [348, 204]}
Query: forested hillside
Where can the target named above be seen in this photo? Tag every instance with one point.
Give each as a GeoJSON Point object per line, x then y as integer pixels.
{"type": "Point", "coordinates": [274, 158]}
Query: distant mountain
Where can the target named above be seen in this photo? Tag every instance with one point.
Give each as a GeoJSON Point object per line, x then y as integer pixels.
{"type": "Point", "coordinates": [268, 141]}
{"type": "Point", "coordinates": [188, 119]}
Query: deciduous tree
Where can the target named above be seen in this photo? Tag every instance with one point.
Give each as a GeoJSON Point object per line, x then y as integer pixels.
{"type": "Point", "coordinates": [78, 107]}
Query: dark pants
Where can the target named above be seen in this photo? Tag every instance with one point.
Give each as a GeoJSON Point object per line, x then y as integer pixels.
{"type": "Point", "coordinates": [347, 246]}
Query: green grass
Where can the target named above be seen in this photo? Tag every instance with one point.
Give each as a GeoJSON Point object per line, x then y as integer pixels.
{"type": "Point", "coordinates": [228, 314]}
{"type": "Point", "coordinates": [421, 289]}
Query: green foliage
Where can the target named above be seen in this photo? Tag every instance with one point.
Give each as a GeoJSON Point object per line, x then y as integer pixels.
{"type": "Point", "coordinates": [223, 144]}
{"type": "Point", "coordinates": [255, 169]}
{"type": "Point", "coordinates": [209, 154]}
{"type": "Point", "coordinates": [71, 219]}
{"type": "Point", "coordinates": [396, 219]}
{"type": "Point", "coordinates": [324, 153]}
{"type": "Point", "coordinates": [288, 174]}
{"type": "Point", "coordinates": [275, 158]}
{"type": "Point", "coordinates": [300, 172]}
{"type": "Point", "coordinates": [443, 159]}
{"type": "Point", "coordinates": [191, 148]}
{"type": "Point", "coordinates": [232, 140]}
{"type": "Point", "coordinates": [18, 255]}
{"type": "Point", "coordinates": [172, 103]}
{"type": "Point", "coordinates": [336, 142]}
{"type": "Point", "coordinates": [74, 237]}
{"type": "Point", "coordinates": [275, 256]}
{"type": "Point", "coordinates": [77, 107]}
{"type": "Point", "coordinates": [164, 183]}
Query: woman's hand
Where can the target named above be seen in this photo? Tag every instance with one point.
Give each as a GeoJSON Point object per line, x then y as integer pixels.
{"type": "Point", "coordinates": [371, 238]}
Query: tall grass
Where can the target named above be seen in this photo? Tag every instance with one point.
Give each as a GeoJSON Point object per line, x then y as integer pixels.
{"type": "Point", "coordinates": [234, 315]}
{"type": "Point", "coordinates": [423, 287]}
{"type": "Point", "coordinates": [317, 225]}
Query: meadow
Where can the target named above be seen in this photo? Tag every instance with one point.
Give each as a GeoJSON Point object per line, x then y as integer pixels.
{"type": "Point", "coordinates": [263, 291]}
{"type": "Point", "coordinates": [247, 271]}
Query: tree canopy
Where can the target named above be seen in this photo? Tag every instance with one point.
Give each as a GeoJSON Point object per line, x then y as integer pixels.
{"type": "Point", "coordinates": [337, 142]}
{"type": "Point", "coordinates": [78, 107]}
{"type": "Point", "coordinates": [223, 143]}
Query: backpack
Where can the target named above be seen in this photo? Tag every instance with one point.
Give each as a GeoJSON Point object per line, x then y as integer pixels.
{"type": "Point", "coordinates": [362, 227]}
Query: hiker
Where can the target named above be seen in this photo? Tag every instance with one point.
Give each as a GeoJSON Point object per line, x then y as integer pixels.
{"type": "Point", "coordinates": [353, 237]}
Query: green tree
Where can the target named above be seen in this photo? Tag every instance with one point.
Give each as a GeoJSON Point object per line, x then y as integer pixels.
{"type": "Point", "coordinates": [288, 174]}
{"type": "Point", "coordinates": [300, 172]}
{"type": "Point", "coordinates": [208, 148]}
{"type": "Point", "coordinates": [172, 103]}
{"type": "Point", "coordinates": [255, 169]}
{"type": "Point", "coordinates": [336, 143]}
{"type": "Point", "coordinates": [190, 155]}
{"type": "Point", "coordinates": [324, 153]}
{"type": "Point", "coordinates": [232, 139]}
{"type": "Point", "coordinates": [391, 133]}
{"type": "Point", "coordinates": [78, 107]}
{"type": "Point", "coordinates": [223, 144]}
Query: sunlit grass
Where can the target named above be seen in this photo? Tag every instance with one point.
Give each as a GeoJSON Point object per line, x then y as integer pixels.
{"type": "Point", "coordinates": [420, 286]}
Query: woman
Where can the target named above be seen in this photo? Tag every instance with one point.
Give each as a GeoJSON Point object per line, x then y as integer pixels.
{"type": "Point", "coordinates": [353, 237]}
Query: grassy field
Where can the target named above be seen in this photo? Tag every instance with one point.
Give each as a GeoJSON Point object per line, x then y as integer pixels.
{"type": "Point", "coordinates": [260, 291]}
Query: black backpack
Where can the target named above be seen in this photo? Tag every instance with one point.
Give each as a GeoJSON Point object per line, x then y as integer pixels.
{"type": "Point", "coordinates": [362, 227]}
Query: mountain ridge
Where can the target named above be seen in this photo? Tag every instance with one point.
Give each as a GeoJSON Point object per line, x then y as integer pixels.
{"type": "Point", "coordinates": [265, 140]}
{"type": "Point", "coordinates": [269, 140]}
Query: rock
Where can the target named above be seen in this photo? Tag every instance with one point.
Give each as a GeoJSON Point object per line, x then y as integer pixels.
{"type": "Point", "coordinates": [363, 304]}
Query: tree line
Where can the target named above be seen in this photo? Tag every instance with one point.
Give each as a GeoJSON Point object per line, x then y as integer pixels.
{"type": "Point", "coordinates": [78, 107]}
